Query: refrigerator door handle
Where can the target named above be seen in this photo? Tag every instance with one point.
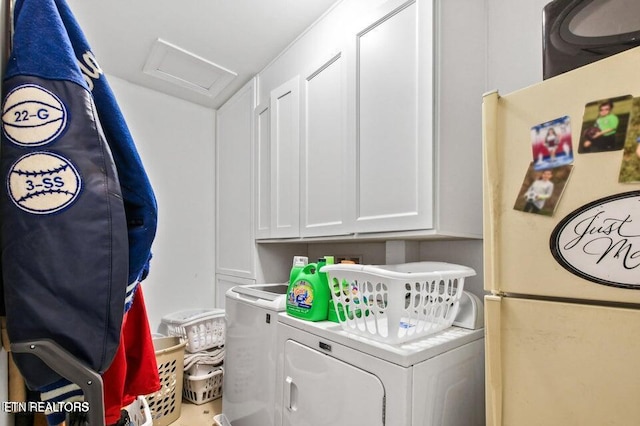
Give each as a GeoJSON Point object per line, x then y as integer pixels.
{"type": "Point", "coordinates": [493, 170]}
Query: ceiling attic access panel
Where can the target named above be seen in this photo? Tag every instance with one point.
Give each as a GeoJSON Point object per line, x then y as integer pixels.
{"type": "Point", "coordinates": [171, 63]}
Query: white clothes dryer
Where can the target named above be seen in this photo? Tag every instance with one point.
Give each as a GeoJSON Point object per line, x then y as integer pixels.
{"type": "Point", "coordinates": [326, 376]}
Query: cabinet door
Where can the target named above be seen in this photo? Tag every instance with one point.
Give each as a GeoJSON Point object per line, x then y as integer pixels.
{"type": "Point", "coordinates": [285, 158]}
{"type": "Point", "coordinates": [321, 390]}
{"type": "Point", "coordinates": [324, 180]}
{"type": "Point", "coordinates": [393, 107]}
{"type": "Point", "coordinates": [235, 248]}
{"type": "Point", "coordinates": [262, 132]}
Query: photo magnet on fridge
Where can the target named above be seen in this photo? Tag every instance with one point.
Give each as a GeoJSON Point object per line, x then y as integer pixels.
{"type": "Point", "coordinates": [541, 189]}
{"type": "Point", "coordinates": [630, 165]}
{"type": "Point", "coordinates": [604, 124]}
{"type": "Point", "coordinates": [551, 144]}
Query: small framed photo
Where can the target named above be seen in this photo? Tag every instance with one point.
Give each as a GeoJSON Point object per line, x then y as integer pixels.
{"type": "Point", "coordinates": [541, 189]}
{"type": "Point", "coordinates": [604, 124]}
{"type": "Point", "coordinates": [551, 144]}
{"type": "Point", "coordinates": [630, 165]}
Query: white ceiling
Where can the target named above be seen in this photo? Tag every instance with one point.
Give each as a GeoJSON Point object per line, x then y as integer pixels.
{"type": "Point", "coordinates": [241, 36]}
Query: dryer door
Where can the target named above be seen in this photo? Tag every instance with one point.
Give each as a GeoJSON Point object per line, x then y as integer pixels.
{"type": "Point", "coordinates": [321, 390]}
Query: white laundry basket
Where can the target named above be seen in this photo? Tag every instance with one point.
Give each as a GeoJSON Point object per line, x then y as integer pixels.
{"type": "Point", "coordinates": [165, 405]}
{"type": "Point", "coordinates": [139, 413]}
{"type": "Point", "coordinates": [201, 328]}
{"type": "Point", "coordinates": [396, 303]}
{"type": "Point", "coordinates": [202, 383]}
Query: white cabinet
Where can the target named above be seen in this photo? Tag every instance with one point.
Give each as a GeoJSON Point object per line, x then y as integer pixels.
{"type": "Point", "coordinates": [285, 157]}
{"type": "Point", "coordinates": [418, 79]}
{"type": "Point", "coordinates": [235, 242]}
{"type": "Point", "coordinates": [393, 94]}
{"type": "Point", "coordinates": [262, 132]}
{"type": "Point", "coordinates": [390, 136]}
{"type": "Point", "coordinates": [325, 184]}
{"type": "Point", "coordinates": [303, 188]}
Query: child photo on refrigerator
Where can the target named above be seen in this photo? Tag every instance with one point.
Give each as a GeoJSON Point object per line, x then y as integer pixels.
{"type": "Point", "coordinates": [551, 143]}
{"type": "Point", "coordinates": [604, 124]}
{"type": "Point", "coordinates": [630, 165]}
{"type": "Point", "coordinates": [541, 189]}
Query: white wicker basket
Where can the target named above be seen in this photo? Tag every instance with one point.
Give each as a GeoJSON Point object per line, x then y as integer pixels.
{"type": "Point", "coordinates": [201, 328]}
{"type": "Point", "coordinates": [396, 303]}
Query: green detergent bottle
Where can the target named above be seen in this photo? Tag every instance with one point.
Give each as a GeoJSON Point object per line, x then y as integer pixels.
{"type": "Point", "coordinates": [339, 315]}
{"type": "Point", "coordinates": [333, 315]}
{"type": "Point", "coordinates": [308, 293]}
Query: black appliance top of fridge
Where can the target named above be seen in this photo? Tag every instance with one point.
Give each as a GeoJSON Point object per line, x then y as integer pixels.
{"type": "Point", "coordinates": [578, 32]}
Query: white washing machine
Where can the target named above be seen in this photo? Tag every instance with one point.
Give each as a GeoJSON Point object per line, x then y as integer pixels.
{"type": "Point", "coordinates": [251, 314]}
{"type": "Point", "coordinates": [326, 376]}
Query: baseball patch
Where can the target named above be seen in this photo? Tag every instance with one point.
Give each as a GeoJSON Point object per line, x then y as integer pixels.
{"type": "Point", "coordinates": [33, 116]}
{"type": "Point", "coordinates": [43, 183]}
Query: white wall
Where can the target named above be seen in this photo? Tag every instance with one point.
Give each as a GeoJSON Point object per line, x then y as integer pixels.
{"type": "Point", "coordinates": [514, 43]}
{"type": "Point", "coordinates": [175, 140]}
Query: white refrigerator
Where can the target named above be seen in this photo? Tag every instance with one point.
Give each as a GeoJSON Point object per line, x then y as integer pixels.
{"type": "Point", "coordinates": [563, 275]}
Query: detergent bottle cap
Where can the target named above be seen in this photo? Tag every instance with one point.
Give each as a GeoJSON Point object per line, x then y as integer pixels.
{"type": "Point", "coordinates": [321, 262]}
